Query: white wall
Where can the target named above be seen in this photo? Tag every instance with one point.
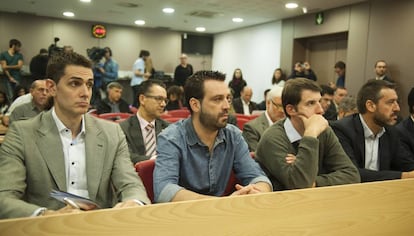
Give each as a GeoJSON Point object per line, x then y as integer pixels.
{"type": "Point", "coordinates": [255, 50]}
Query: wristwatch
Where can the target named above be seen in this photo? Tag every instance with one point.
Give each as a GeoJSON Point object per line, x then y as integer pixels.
{"type": "Point", "coordinates": [41, 211]}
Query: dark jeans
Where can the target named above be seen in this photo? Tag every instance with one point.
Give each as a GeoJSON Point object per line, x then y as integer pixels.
{"type": "Point", "coordinates": [135, 90]}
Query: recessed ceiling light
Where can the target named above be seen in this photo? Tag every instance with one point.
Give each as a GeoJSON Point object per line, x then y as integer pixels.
{"type": "Point", "coordinates": [237, 20]}
{"type": "Point", "coordinates": [68, 14]}
{"type": "Point", "coordinates": [85, 0]}
{"type": "Point", "coordinates": [168, 10]}
{"type": "Point", "coordinates": [139, 22]}
{"type": "Point", "coordinates": [291, 5]}
{"type": "Point", "coordinates": [200, 29]}
{"type": "Point", "coordinates": [304, 10]}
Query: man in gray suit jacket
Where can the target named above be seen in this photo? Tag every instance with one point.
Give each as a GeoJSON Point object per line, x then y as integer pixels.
{"type": "Point", "coordinates": [253, 130]}
{"type": "Point", "coordinates": [152, 99]}
{"type": "Point", "coordinates": [66, 149]}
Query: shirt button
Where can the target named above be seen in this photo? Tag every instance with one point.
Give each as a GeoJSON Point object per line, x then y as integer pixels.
{"type": "Point", "coordinates": [72, 183]}
{"type": "Point", "coordinates": [73, 163]}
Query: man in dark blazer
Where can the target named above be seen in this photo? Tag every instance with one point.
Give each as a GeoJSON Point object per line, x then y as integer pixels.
{"type": "Point", "coordinates": [253, 130]}
{"type": "Point", "coordinates": [406, 127]}
{"type": "Point", "coordinates": [368, 138]}
{"type": "Point", "coordinates": [381, 69]}
{"type": "Point", "coordinates": [113, 103]}
{"type": "Point", "coordinates": [66, 149]}
{"type": "Point", "coordinates": [152, 99]}
{"type": "Point", "coordinates": [240, 104]}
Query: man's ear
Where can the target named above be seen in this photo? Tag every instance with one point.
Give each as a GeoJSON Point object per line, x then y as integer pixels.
{"type": "Point", "coordinates": [195, 104]}
{"type": "Point", "coordinates": [51, 86]}
{"type": "Point", "coordinates": [370, 106]}
{"type": "Point", "coordinates": [291, 110]}
{"type": "Point", "coordinates": [141, 99]}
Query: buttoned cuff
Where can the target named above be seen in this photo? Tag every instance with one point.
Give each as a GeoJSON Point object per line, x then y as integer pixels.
{"type": "Point", "coordinates": [261, 179]}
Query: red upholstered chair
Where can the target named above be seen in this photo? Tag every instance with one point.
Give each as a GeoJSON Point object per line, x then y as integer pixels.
{"type": "Point", "coordinates": [182, 113]}
{"type": "Point", "coordinates": [114, 116]}
{"type": "Point", "coordinates": [145, 170]}
{"type": "Point", "coordinates": [173, 119]}
{"type": "Point", "coordinates": [241, 122]}
{"type": "Point", "coordinates": [133, 109]}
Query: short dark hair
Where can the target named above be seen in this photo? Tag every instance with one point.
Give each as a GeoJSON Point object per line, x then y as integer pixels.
{"type": "Point", "coordinates": [114, 84]}
{"type": "Point", "coordinates": [43, 51]}
{"type": "Point", "coordinates": [371, 90]}
{"type": "Point", "coordinates": [14, 42]}
{"type": "Point", "coordinates": [292, 92]}
{"type": "Point", "coordinates": [144, 53]}
{"type": "Point", "coordinates": [146, 85]}
{"type": "Point", "coordinates": [57, 64]}
{"type": "Point", "coordinates": [194, 87]}
{"type": "Point", "coordinates": [379, 61]}
{"type": "Point", "coordinates": [327, 90]}
{"type": "Point", "coordinates": [411, 101]}
{"type": "Point", "coordinates": [109, 50]}
{"type": "Point", "coordinates": [340, 65]}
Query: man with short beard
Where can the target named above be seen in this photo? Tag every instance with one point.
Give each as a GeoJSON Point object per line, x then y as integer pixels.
{"type": "Point", "coordinates": [369, 138]}
{"type": "Point", "coordinates": [197, 155]}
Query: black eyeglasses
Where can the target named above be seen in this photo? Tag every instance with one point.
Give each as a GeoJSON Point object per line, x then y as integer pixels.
{"type": "Point", "coordinates": [159, 99]}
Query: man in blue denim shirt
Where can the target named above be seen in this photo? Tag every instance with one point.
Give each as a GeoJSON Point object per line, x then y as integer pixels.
{"type": "Point", "coordinates": [196, 155]}
{"type": "Point", "coordinates": [110, 68]}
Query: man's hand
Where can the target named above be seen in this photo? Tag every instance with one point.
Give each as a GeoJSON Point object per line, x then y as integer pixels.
{"type": "Point", "coordinates": [128, 203]}
{"type": "Point", "coordinates": [65, 210]}
{"type": "Point", "coordinates": [243, 190]}
{"type": "Point", "coordinates": [314, 125]}
{"type": "Point", "coordinates": [290, 159]}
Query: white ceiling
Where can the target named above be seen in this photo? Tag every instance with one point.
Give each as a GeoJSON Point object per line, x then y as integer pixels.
{"type": "Point", "coordinates": [221, 11]}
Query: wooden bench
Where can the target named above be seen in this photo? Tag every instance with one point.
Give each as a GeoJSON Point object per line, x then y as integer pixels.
{"type": "Point", "coordinates": [378, 208]}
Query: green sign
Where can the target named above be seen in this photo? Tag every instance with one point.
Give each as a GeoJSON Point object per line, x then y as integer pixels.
{"type": "Point", "coordinates": [319, 18]}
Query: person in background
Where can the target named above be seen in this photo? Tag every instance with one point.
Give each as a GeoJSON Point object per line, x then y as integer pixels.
{"type": "Point", "coordinates": [340, 69]}
{"type": "Point", "coordinates": [237, 83]}
{"type": "Point", "coordinates": [369, 137]}
{"type": "Point", "coordinates": [347, 107]}
{"type": "Point", "coordinates": [327, 94]}
{"type": "Point", "coordinates": [19, 91]}
{"type": "Point", "coordinates": [139, 74]}
{"type": "Point", "coordinates": [19, 101]}
{"type": "Point", "coordinates": [298, 71]}
{"type": "Point", "coordinates": [279, 78]}
{"type": "Point", "coordinates": [66, 149]}
{"type": "Point", "coordinates": [302, 151]}
{"type": "Point", "coordinates": [4, 104]}
{"type": "Point", "coordinates": [254, 129]}
{"type": "Point", "coordinates": [182, 71]}
{"type": "Point", "coordinates": [142, 129]}
{"type": "Point", "coordinates": [149, 69]}
{"type": "Point", "coordinates": [381, 69]}
{"type": "Point", "coordinates": [11, 62]}
{"type": "Point", "coordinates": [40, 102]}
{"type": "Point", "coordinates": [308, 72]}
{"type": "Point", "coordinates": [332, 113]}
{"type": "Point", "coordinates": [175, 97]}
{"type": "Point", "coordinates": [406, 127]}
{"type": "Point", "coordinates": [197, 155]}
{"type": "Point", "coordinates": [109, 70]}
{"type": "Point", "coordinates": [38, 66]}
{"type": "Point", "coordinates": [113, 103]}
{"type": "Point", "coordinates": [68, 49]}
{"type": "Point", "coordinates": [243, 104]}
{"type": "Point", "coordinates": [262, 105]}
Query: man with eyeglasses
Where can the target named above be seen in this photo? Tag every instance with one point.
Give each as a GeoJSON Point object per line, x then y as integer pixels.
{"type": "Point", "coordinates": [302, 151]}
{"type": "Point", "coordinates": [141, 130]}
{"type": "Point", "coordinates": [254, 129]}
{"type": "Point", "coordinates": [197, 155]}
{"type": "Point", "coordinates": [370, 138]}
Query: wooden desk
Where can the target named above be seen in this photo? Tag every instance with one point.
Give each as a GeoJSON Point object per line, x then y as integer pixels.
{"type": "Point", "coordinates": [380, 208]}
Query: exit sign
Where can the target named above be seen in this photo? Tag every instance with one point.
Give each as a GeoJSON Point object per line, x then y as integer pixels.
{"type": "Point", "coordinates": [319, 18]}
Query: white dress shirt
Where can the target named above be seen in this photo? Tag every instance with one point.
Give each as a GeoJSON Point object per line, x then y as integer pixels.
{"type": "Point", "coordinates": [371, 146]}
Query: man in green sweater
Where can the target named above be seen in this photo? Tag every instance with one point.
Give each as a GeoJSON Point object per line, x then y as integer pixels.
{"type": "Point", "coordinates": [302, 151]}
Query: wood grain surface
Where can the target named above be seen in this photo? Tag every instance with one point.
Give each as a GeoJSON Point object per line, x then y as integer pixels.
{"type": "Point", "coordinates": [379, 208]}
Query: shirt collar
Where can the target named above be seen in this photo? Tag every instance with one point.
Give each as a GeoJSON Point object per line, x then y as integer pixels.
{"type": "Point", "coordinates": [292, 134]}
{"type": "Point", "coordinates": [268, 119]}
{"type": "Point", "coordinates": [192, 137]}
{"type": "Point", "coordinates": [245, 103]}
{"type": "Point", "coordinates": [143, 123]}
{"type": "Point", "coordinates": [412, 117]}
{"type": "Point", "coordinates": [61, 127]}
{"type": "Point", "coordinates": [367, 131]}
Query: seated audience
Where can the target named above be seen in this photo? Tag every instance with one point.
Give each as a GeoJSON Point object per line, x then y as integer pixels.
{"type": "Point", "coordinates": [262, 105]}
{"type": "Point", "coordinates": [175, 96]}
{"type": "Point", "coordinates": [369, 138]}
{"type": "Point", "coordinates": [19, 101]}
{"type": "Point", "coordinates": [254, 129]}
{"type": "Point", "coordinates": [332, 112]}
{"type": "Point", "coordinates": [19, 91]}
{"type": "Point", "coordinates": [113, 103]}
{"type": "Point", "coordinates": [406, 127]}
{"type": "Point", "coordinates": [347, 107]}
{"type": "Point", "coordinates": [141, 130]}
{"type": "Point", "coordinates": [302, 151]}
{"type": "Point", "coordinates": [327, 94]}
{"type": "Point", "coordinates": [243, 104]}
{"type": "Point", "coordinates": [197, 155]}
{"type": "Point", "coordinates": [66, 149]}
{"type": "Point", "coordinates": [40, 102]}
{"type": "Point", "coordinates": [279, 78]}
{"type": "Point", "coordinates": [4, 104]}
